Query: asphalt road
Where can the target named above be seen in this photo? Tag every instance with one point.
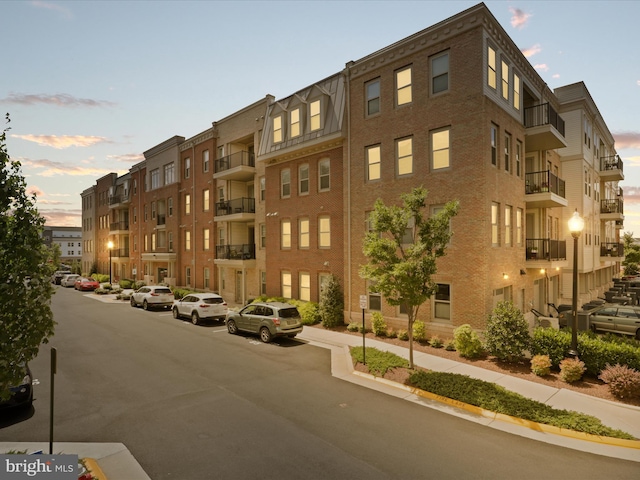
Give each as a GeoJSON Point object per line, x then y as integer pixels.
{"type": "Point", "coordinates": [193, 402]}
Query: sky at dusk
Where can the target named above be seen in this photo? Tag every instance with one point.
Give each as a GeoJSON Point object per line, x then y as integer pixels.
{"type": "Point", "coordinates": [90, 86]}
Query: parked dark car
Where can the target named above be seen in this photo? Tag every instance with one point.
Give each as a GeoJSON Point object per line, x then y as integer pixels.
{"type": "Point", "coordinates": [21, 395]}
{"type": "Point", "coordinates": [270, 319]}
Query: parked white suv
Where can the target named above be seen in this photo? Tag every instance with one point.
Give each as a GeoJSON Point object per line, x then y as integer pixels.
{"type": "Point", "coordinates": [152, 296]}
{"type": "Point", "coordinates": [200, 306]}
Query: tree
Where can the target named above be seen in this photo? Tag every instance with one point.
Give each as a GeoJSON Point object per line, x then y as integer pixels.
{"type": "Point", "coordinates": [332, 304]}
{"type": "Point", "coordinates": [403, 247]}
{"type": "Point", "coordinates": [26, 319]}
{"type": "Point", "coordinates": [631, 255]}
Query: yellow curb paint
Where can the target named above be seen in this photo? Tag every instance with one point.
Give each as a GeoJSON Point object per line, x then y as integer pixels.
{"type": "Point", "coordinates": [540, 427]}
{"type": "Point", "coordinates": [94, 468]}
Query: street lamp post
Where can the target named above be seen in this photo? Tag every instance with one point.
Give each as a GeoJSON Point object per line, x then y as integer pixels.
{"type": "Point", "coordinates": [110, 247]}
{"type": "Point", "coordinates": [576, 225]}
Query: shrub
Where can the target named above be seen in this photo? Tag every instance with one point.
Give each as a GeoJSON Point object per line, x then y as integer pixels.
{"type": "Point", "coordinates": [138, 284]}
{"type": "Point", "coordinates": [379, 362]}
{"type": "Point", "coordinates": [541, 365]}
{"type": "Point", "coordinates": [507, 333]}
{"type": "Point", "coordinates": [309, 312]}
{"type": "Point", "coordinates": [403, 335]}
{"type": "Point", "coordinates": [100, 278]}
{"type": "Point", "coordinates": [450, 345]}
{"type": "Point", "coordinates": [419, 331]}
{"type": "Point", "coordinates": [551, 342]}
{"type": "Point", "coordinates": [179, 293]}
{"type": "Point", "coordinates": [436, 342]}
{"type": "Point", "coordinates": [624, 382]}
{"type": "Point", "coordinates": [124, 283]}
{"type": "Point", "coordinates": [101, 291]}
{"type": "Point", "coordinates": [332, 304]}
{"type": "Point", "coordinates": [378, 325]}
{"type": "Point", "coordinates": [571, 370]}
{"type": "Point", "coordinates": [467, 342]}
{"type": "Point", "coordinates": [107, 286]}
{"type": "Point", "coordinates": [353, 327]}
{"type": "Point", "coordinates": [597, 352]}
{"type": "Point", "coordinates": [391, 333]}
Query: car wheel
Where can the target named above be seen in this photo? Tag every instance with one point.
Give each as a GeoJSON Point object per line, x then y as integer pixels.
{"type": "Point", "coordinates": [133, 302]}
{"type": "Point", "coordinates": [293, 335]}
{"type": "Point", "coordinates": [593, 328]}
{"type": "Point", "coordinates": [175, 312]}
{"type": "Point", "coordinates": [232, 327]}
{"type": "Point", "coordinates": [145, 305]}
{"type": "Point", "coordinates": [265, 335]}
{"type": "Point", "coordinates": [638, 334]}
{"type": "Point", "coordinates": [195, 318]}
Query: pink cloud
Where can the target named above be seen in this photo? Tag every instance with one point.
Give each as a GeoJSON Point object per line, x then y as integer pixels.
{"type": "Point", "coordinates": [531, 51]}
{"type": "Point", "coordinates": [63, 141]}
{"type": "Point", "coordinates": [52, 168]}
{"type": "Point", "coordinates": [127, 157]}
{"type": "Point", "coordinates": [627, 140]}
{"type": "Point", "coordinates": [519, 18]}
{"type": "Point", "coordinates": [541, 66]}
{"type": "Point", "coordinates": [62, 218]}
{"type": "Point", "coordinates": [631, 195]}
{"type": "Point", "coordinates": [58, 100]}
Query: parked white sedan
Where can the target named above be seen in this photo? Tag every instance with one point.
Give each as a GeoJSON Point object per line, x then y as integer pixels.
{"type": "Point", "coordinates": [69, 280]}
{"type": "Point", "coordinates": [152, 296]}
{"type": "Point", "coordinates": [200, 306]}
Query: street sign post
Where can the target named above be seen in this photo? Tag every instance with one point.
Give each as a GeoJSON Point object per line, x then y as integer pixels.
{"type": "Point", "coordinates": [363, 306]}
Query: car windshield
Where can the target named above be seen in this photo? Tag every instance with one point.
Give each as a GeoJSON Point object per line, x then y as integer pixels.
{"type": "Point", "coordinates": [163, 290]}
{"type": "Point", "coordinates": [289, 312]}
{"type": "Point", "coordinates": [212, 300]}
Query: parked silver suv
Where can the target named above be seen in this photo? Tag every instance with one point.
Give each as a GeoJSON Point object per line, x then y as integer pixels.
{"type": "Point", "coordinates": [616, 318]}
{"type": "Point", "coordinates": [270, 319]}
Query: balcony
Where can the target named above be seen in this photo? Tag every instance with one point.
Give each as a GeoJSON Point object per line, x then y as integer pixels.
{"type": "Point", "coordinates": [161, 220]}
{"type": "Point", "coordinates": [116, 201]}
{"type": "Point", "coordinates": [544, 128]}
{"type": "Point", "coordinates": [612, 252]}
{"type": "Point", "coordinates": [240, 166]}
{"type": "Point", "coordinates": [546, 253]}
{"type": "Point", "coordinates": [235, 254]}
{"type": "Point", "coordinates": [238, 209]}
{"type": "Point", "coordinates": [612, 210]}
{"type": "Point", "coordinates": [116, 227]}
{"type": "Point", "coordinates": [119, 253]}
{"type": "Point", "coordinates": [611, 169]}
{"type": "Point", "coordinates": [544, 190]}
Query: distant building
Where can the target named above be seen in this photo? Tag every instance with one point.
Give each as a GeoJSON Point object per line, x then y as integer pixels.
{"type": "Point", "coordinates": [69, 239]}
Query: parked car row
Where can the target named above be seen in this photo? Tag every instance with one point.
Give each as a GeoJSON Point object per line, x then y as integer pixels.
{"type": "Point", "coordinates": [609, 317]}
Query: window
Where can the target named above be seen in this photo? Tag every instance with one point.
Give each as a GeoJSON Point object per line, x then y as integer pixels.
{"type": "Point", "coordinates": [505, 80]}
{"type": "Point", "coordinates": [263, 235]}
{"type": "Point", "coordinates": [146, 213]}
{"type": "Point", "coordinates": [495, 225]}
{"type": "Point", "coordinates": [146, 243]}
{"type": "Point", "coordinates": [305, 286]}
{"type": "Point", "coordinates": [263, 188]}
{"type": "Point", "coordinates": [187, 203]}
{"type": "Point", "coordinates": [407, 238]}
{"type": "Point", "coordinates": [507, 152]}
{"type": "Point", "coordinates": [277, 129]}
{"type": "Point", "coordinates": [303, 179]}
{"type": "Point", "coordinates": [375, 300]}
{"type": "Point", "coordinates": [187, 167]}
{"type": "Point", "coordinates": [286, 284]}
{"type": "Point", "coordinates": [153, 242]}
{"type": "Point", "coordinates": [404, 155]}
{"type": "Point", "coordinates": [435, 210]}
{"type": "Point", "coordinates": [303, 233]}
{"type": "Point", "coordinates": [403, 86]}
{"type": "Point", "coordinates": [187, 240]}
{"type": "Point", "coordinates": [285, 183]}
{"type": "Point", "coordinates": [324, 175]}
{"type": "Point", "coordinates": [170, 206]}
{"type": "Point", "coordinates": [519, 226]}
{"type": "Point", "coordinates": [314, 115]}
{"type": "Point", "coordinates": [518, 158]}
{"type": "Point", "coordinates": [205, 161]}
{"type": "Point", "coordinates": [491, 70]}
{"type": "Point", "coordinates": [169, 174]}
{"type": "Point", "coordinates": [494, 145]}
{"type": "Point", "coordinates": [188, 275]}
{"type": "Point", "coordinates": [294, 123]}
{"type": "Point", "coordinates": [205, 200]}
{"type": "Point", "coordinates": [135, 215]}
{"type": "Point", "coordinates": [285, 234]}
{"type": "Point", "coordinates": [440, 73]}
{"type": "Point", "coordinates": [373, 163]}
{"type": "Point", "coordinates": [516, 92]}
{"type": "Point", "coordinates": [507, 225]}
{"type": "Point", "coordinates": [170, 241]}
{"type": "Point", "coordinates": [442, 302]}
{"type": "Point", "coordinates": [153, 209]}
{"type": "Point", "coordinates": [221, 237]}
{"type": "Point", "coordinates": [373, 97]}
{"type": "Point", "coordinates": [207, 277]}
{"type": "Point", "coordinates": [206, 239]}
{"type": "Point", "coordinates": [263, 283]}
{"type": "Point", "coordinates": [440, 155]}
{"type": "Point", "coordinates": [155, 178]}
{"type": "Point", "coordinates": [324, 232]}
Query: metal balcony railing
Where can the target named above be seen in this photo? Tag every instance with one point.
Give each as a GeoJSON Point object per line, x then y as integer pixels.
{"type": "Point", "coordinates": [544, 181]}
{"type": "Point", "coordinates": [120, 252]}
{"type": "Point", "coordinates": [612, 206]}
{"type": "Point", "coordinates": [544, 114]}
{"type": "Point", "coordinates": [161, 219]}
{"type": "Point", "coordinates": [244, 251]}
{"type": "Point", "coordinates": [235, 160]}
{"type": "Point", "coordinates": [546, 249]}
{"type": "Point", "coordinates": [612, 250]}
{"type": "Point", "coordinates": [124, 225]}
{"type": "Point", "coordinates": [613, 162]}
{"type": "Point", "coordinates": [114, 199]}
{"type": "Point", "coordinates": [237, 205]}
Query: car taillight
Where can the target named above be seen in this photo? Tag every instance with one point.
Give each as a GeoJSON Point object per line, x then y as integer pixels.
{"type": "Point", "coordinates": [155, 294]}
{"type": "Point", "coordinates": [276, 321]}
{"type": "Point", "coordinates": [203, 305]}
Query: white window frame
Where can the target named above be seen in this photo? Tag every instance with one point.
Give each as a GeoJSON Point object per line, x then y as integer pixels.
{"type": "Point", "coordinates": [324, 231]}
{"type": "Point", "coordinates": [304, 233]}
{"type": "Point", "coordinates": [305, 286]}
{"type": "Point", "coordinates": [278, 135]}
{"type": "Point", "coordinates": [285, 283]}
{"type": "Point", "coordinates": [372, 97]}
{"type": "Point", "coordinates": [285, 234]}
{"type": "Point", "coordinates": [438, 72]}
{"type": "Point", "coordinates": [438, 150]}
{"type": "Point", "coordinates": [404, 156]}
{"type": "Point", "coordinates": [303, 179]}
{"type": "Point", "coordinates": [404, 94]}
{"type": "Point", "coordinates": [324, 175]}
{"type": "Point", "coordinates": [374, 163]}
{"type": "Point", "coordinates": [315, 115]}
{"type": "Point", "coordinates": [295, 123]}
{"type": "Point", "coordinates": [285, 183]}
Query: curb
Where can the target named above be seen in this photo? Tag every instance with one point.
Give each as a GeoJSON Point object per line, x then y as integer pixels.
{"type": "Point", "coordinates": [540, 427]}
{"type": "Point", "coordinates": [94, 469]}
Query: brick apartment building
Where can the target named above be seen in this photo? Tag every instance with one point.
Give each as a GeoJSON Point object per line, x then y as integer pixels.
{"type": "Point", "coordinates": [274, 198]}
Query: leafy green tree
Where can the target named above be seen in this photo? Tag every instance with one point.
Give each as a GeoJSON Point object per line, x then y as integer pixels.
{"type": "Point", "coordinates": [507, 334]}
{"type": "Point", "coordinates": [26, 319]}
{"type": "Point", "coordinates": [332, 304]}
{"type": "Point", "coordinates": [402, 247]}
{"type": "Point", "coordinates": [631, 255]}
